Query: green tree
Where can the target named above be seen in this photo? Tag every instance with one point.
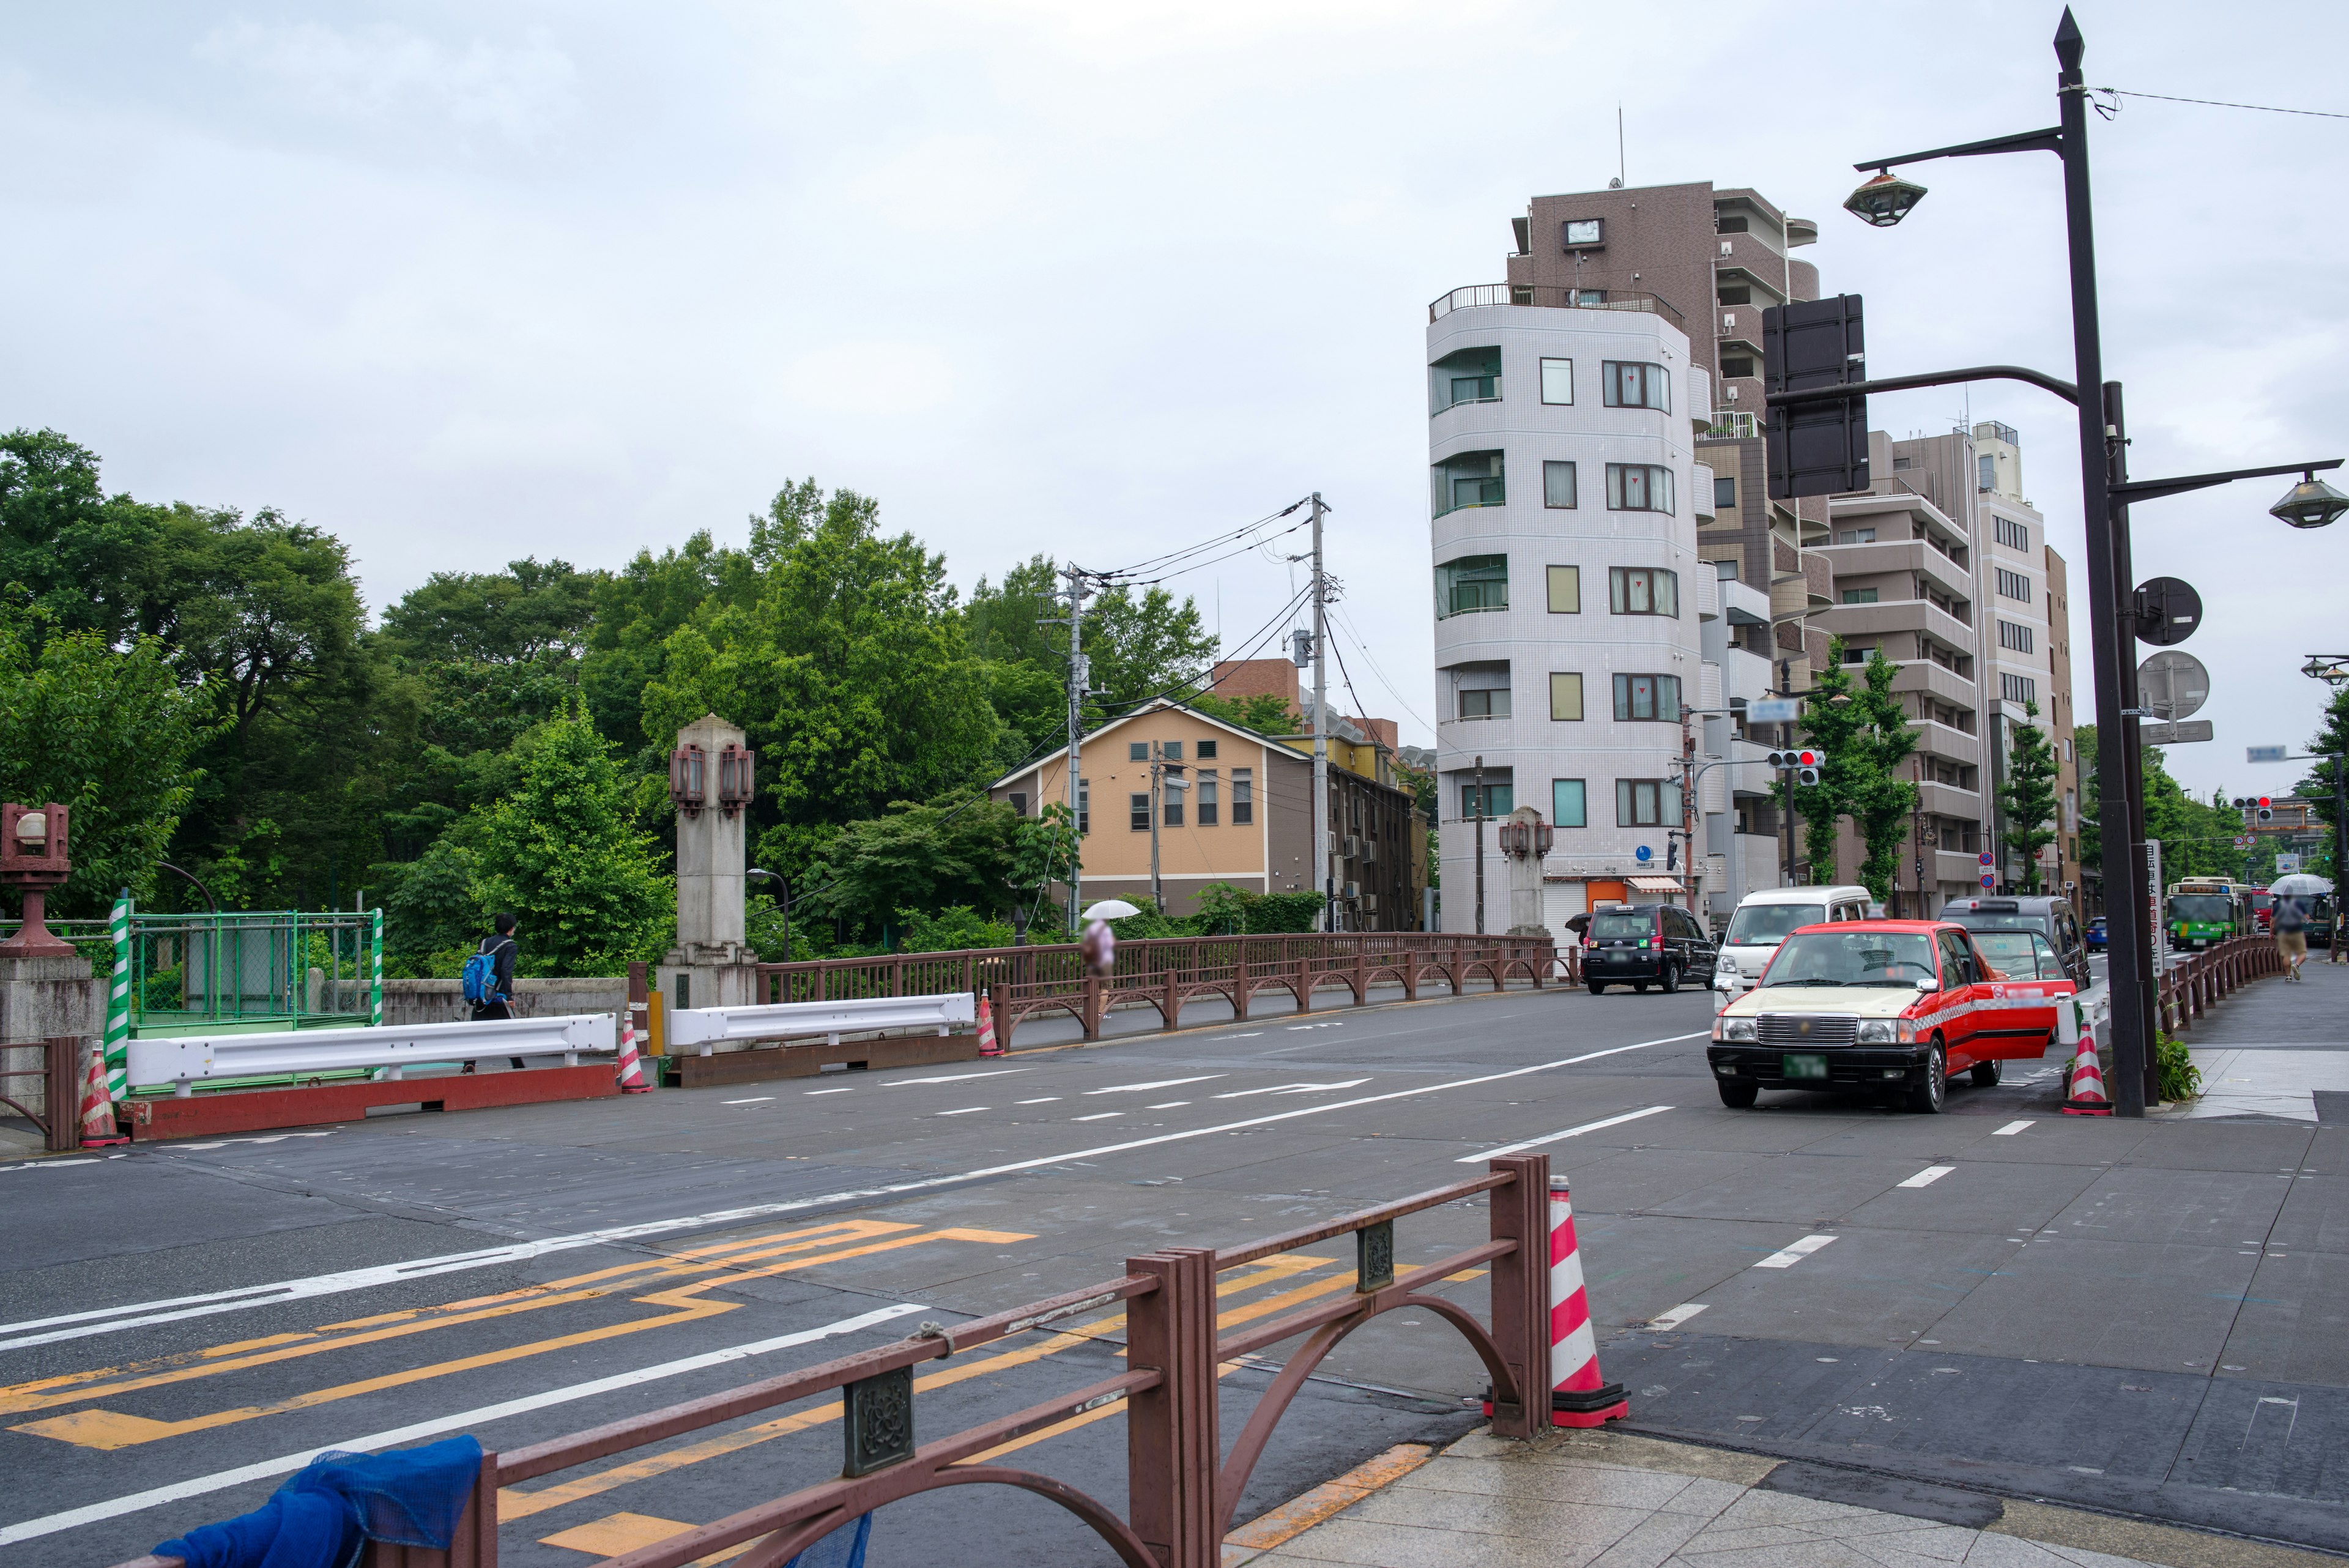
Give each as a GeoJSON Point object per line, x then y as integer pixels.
{"type": "Point", "coordinates": [934, 855]}
{"type": "Point", "coordinates": [2028, 796]}
{"type": "Point", "coordinates": [1145, 645]}
{"type": "Point", "coordinates": [565, 853]}
{"type": "Point", "coordinates": [1864, 736]}
{"type": "Point", "coordinates": [1264, 712]}
{"type": "Point", "coordinates": [109, 734]}
{"type": "Point", "coordinates": [1045, 850]}
{"type": "Point", "coordinates": [2320, 788]}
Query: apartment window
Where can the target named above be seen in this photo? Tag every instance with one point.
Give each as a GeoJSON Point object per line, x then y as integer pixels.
{"type": "Point", "coordinates": [1642, 697]}
{"type": "Point", "coordinates": [1904, 462]}
{"type": "Point", "coordinates": [1209, 805]}
{"type": "Point", "coordinates": [1243, 796]}
{"type": "Point", "coordinates": [1731, 224]}
{"type": "Point", "coordinates": [1019, 802]}
{"type": "Point", "coordinates": [1724, 495]}
{"type": "Point", "coordinates": [1171, 751]}
{"type": "Point", "coordinates": [1568, 808]}
{"type": "Point", "coordinates": [1558, 484]}
{"type": "Point", "coordinates": [1855, 536]}
{"type": "Point", "coordinates": [1584, 232]}
{"type": "Point", "coordinates": [2014, 536]}
{"type": "Point", "coordinates": [1558, 380]}
{"type": "Point", "coordinates": [1084, 806]}
{"type": "Point", "coordinates": [1626, 384]}
{"type": "Point", "coordinates": [1726, 570]}
{"type": "Point", "coordinates": [2013, 586]}
{"type": "Point", "coordinates": [1736, 365]}
{"type": "Point", "coordinates": [1737, 294]}
{"type": "Point", "coordinates": [2014, 637]}
{"type": "Point", "coordinates": [1643, 590]}
{"type": "Point", "coordinates": [1470, 376]}
{"type": "Point", "coordinates": [1471, 479]}
{"type": "Point", "coordinates": [1490, 703]}
{"type": "Point", "coordinates": [1639, 487]}
{"type": "Point", "coordinates": [1138, 806]}
{"type": "Point", "coordinates": [1646, 802]}
{"type": "Point", "coordinates": [1565, 697]}
{"type": "Point", "coordinates": [1859, 596]}
{"type": "Point", "coordinates": [1172, 806]}
{"type": "Point", "coordinates": [1471, 584]}
{"type": "Point", "coordinates": [1588, 295]}
{"type": "Point", "coordinates": [1565, 590]}
{"type": "Point", "coordinates": [1986, 472]}
{"type": "Point", "coordinates": [1498, 800]}
{"type": "Point", "coordinates": [1137, 752]}
{"type": "Point", "coordinates": [1853, 655]}
{"type": "Point", "coordinates": [2017, 687]}
{"type": "Point", "coordinates": [1206, 752]}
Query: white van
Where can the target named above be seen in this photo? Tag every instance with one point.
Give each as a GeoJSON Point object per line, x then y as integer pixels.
{"type": "Point", "coordinates": [1761, 922]}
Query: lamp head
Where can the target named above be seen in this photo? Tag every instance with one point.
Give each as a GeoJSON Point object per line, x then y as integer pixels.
{"type": "Point", "coordinates": [2311, 504]}
{"type": "Point", "coordinates": [33, 829]}
{"type": "Point", "coordinates": [1884, 200]}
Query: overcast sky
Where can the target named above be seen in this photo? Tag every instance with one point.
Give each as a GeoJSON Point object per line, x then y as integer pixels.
{"type": "Point", "coordinates": [469, 283]}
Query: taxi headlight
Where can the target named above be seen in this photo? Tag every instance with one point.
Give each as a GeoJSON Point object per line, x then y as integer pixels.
{"type": "Point", "coordinates": [1732, 1029]}
{"type": "Point", "coordinates": [1879, 1032]}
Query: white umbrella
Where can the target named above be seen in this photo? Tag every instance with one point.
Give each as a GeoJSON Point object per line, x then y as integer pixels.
{"type": "Point", "coordinates": [1111, 909]}
{"type": "Point", "coordinates": [2301, 885]}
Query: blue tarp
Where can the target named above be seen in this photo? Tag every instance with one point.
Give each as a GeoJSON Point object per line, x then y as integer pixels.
{"type": "Point", "coordinates": [843, 1548]}
{"type": "Point", "coordinates": [337, 1503]}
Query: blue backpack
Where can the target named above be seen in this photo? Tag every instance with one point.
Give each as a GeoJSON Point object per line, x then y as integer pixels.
{"type": "Point", "coordinates": [480, 979]}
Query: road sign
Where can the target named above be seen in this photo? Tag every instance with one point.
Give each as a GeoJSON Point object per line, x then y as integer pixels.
{"type": "Point", "coordinates": [1818, 448]}
{"type": "Point", "coordinates": [1984, 859]}
{"type": "Point", "coordinates": [2287, 863]}
{"type": "Point", "coordinates": [2247, 841]}
{"type": "Point", "coordinates": [2167, 610]}
{"type": "Point", "coordinates": [2173, 684]}
{"type": "Point", "coordinates": [1643, 854]}
{"type": "Point", "coordinates": [2174, 734]}
{"type": "Point", "coordinates": [2265, 753]}
{"type": "Point", "coordinates": [1773, 710]}
{"type": "Point", "coordinates": [1990, 879]}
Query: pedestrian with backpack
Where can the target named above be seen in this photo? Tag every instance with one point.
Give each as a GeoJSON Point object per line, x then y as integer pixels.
{"type": "Point", "coordinates": [488, 978]}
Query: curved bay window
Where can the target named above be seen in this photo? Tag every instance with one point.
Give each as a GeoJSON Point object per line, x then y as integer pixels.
{"type": "Point", "coordinates": [1626, 385]}
{"type": "Point", "coordinates": [1470, 583]}
{"type": "Point", "coordinates": [1643, 590]}
{"type": "Point", "coordinates": [1639, 487]}
{"type": "Point", "coordinates": [1644, 697]}
{"type": "Point", "coordinates": [1470, 376]}
{"type": "Point", "coordinates": [1470, 479]}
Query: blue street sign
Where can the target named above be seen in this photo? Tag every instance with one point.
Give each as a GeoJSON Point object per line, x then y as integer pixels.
{"type": "Point", "coordinates": [2266, 753]}
{"type": "Point", "coordinates": [1643, 854]}
{"type": "Point", "coordinates": [1983, 857]}
{"type": "Point", "coordinates": [1773, 710]}
{"type": "Point", "coordinates": [1989, 879]}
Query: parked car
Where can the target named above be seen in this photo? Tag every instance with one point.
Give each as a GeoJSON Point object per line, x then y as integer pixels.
{"type": "Point", "coordinates": [1892, 1008]}
{"type": "Point", "coordinates": [1762, 922]}
{"type": "Point", "coordinates": [2094, 938]}
{"type": "Point", "coordinates": [2051, 917]}
{"type": "Point", "coordinates": [1642, 945]}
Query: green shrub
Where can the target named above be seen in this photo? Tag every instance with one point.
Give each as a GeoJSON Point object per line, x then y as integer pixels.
{"type": "Point", "coordinates": [2178, 1077]}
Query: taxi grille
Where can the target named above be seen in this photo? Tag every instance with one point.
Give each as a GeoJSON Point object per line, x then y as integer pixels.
{"type": "Point", "coordinates": [1807, 1029]}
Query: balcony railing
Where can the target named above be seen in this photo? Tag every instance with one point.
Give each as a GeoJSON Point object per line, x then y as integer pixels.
{"type": "Point", "coordinates": [1729, 424]}
{"type": "Point", "coordinates": [1549, 297]}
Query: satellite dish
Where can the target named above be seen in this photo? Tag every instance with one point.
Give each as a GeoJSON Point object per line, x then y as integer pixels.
{"type": "Point", "coordinates": [2173, 684]}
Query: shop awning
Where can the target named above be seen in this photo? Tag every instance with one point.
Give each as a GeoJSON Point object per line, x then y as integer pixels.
{"type": "Point", "coordinates": [1656, 884]}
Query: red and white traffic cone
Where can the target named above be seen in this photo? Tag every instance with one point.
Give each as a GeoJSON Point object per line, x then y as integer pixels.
{"type": "Point", "coordinates": [632, 1066]}
{"type": "Point", "coordinates": [2088, 1097]}
{"type": "Point", "coordinates": [987, 1042]}
{"type": "Point", "coordinates": [1581, 1396]}
{"type": "Point", "coordinates": [98, 1129]}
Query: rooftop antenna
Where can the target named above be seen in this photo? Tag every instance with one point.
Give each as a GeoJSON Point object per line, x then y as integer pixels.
{"type": "Point", "coordinates": [1620, 171]}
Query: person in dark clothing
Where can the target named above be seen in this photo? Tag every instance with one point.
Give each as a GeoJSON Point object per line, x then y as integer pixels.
{"type": "Point", "coordinates": [503, 949]}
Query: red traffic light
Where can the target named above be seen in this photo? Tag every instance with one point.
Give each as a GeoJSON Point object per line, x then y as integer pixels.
{"type": "Point", "coordinates": [2264, 802]}
{"type": "Point", "coordinates": [1808, 759]}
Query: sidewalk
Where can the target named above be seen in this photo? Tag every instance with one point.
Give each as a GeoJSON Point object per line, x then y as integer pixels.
{"type": "Point", "coordinates": [1605, 1500]}
{"type": "Point", "coordinates": [2278, 1049]}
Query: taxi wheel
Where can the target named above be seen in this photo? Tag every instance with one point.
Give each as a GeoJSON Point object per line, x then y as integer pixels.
{"type": "Point", "coordinates": [1638, 988]}
{"type": "Point", "coordinates": [1985, 1075]}
{"type": "Point", "coordinates": [1598, 988]}
{"type": "Point", "coordinates": [1737, 1096]}
{"type": "Point", "coordinates": [1927, 1097]}
{"type": "Point", "coordinates": [1671, 978]}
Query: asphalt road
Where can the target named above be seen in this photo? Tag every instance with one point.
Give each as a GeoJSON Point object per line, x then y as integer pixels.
{"type": "Point", "coordinates": [2143, 1317]}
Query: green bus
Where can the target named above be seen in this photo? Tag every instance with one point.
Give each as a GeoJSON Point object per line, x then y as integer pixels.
{"type": "Point", "coordinates": [2204, 912]}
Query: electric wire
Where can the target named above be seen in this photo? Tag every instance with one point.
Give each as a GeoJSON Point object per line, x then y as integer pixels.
{"type": "Point", "coordinates": [1234, 534]}
{"type": "Point", "coordinates": [1362, 645]}
{"type": "Point", "coordinates": [2209, 103]}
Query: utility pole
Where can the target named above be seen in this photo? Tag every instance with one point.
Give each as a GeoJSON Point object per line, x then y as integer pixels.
{"type": "Point", "coordinates": [1786, 784]}
{"type": "Point", "coordinates": [1322, 734]}
{"type": "Point", "coordinates": [1688, 802]}
{"type": "Point", "coordinates": [1164, 776]}
{"type": "Point", "coordinates": [1080, 677]}
{"type": "Point", "coordinates": [1480, 847]}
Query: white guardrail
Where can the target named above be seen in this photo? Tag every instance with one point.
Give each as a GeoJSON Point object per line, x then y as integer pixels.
{"type": "Point", "coordinates": [705, 1028]}
{"type": "Point", "coordinates": [189, 1059]}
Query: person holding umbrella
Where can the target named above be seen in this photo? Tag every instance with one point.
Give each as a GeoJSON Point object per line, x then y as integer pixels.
{"type": "Point", "coordinates": [2291, 919]}
{"type": "Point", "coordinates": [1099, 947]}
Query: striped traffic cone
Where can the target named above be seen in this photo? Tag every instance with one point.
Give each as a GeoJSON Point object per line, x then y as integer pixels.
{"type": "Point", "coordinates": [987, 1044]}
{"type": "Point", "coordinates": [1581, 1396]}
{"type": "Point", "coordinates": [98, 1129]}
{"type": "Point", "coordinates": [2088, 1098]}
{"type": "Point", "coordinates": [632, 1066]}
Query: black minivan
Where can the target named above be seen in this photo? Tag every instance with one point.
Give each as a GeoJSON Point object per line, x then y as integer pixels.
{"type": "Point", "coordinates": [1642, 945]}
{"type": "Point", "coordinates": [2052, 918]}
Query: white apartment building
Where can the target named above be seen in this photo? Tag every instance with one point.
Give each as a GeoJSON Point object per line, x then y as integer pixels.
{"type": "Point", "coordinates": [1571, 606]}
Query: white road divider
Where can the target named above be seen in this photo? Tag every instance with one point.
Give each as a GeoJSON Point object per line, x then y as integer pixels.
{"type": "Point", "coordinates": [704, 1029]}
{"type": "Point", "coordinates": [187, 1060]}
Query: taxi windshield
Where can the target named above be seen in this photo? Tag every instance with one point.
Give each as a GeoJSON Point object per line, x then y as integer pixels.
{"type": "Point", "coordinates": [1852, 958]}
{"type": "Point", "coordinates": [2016, 955]}
{"type": "Point", "coordinates": [1764, 925]}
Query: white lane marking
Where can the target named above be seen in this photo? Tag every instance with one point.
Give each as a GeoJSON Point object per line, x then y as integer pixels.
{"type": "Point", "coordinates": [1097, 1116]}
{"type": "Point", "coordinates": [1929, 1175]}
{"type": "Point", "coordinates": [762, 1099]}
{"type": "Point", "coordinates": [960, 1077]}
{"type": "Point", "coordinates": [1794, 1254]}
{"type": "Point", "coordinates": [2011, 1129]}
{"type": "Point", "coordinates": [1169, 1105]}
{"type": "Point", "coordinates": [173, 1309]}
{"type": "Point", "coordinates": [1555, 1136]}
{"type": "Point", "coordinates": [839, 1091]}
{"type": "Point", "coordinates": [1161, 1083]}
{"type": "Point", "coordinates": [1673, 1317]}
{"type": "Point", "coordinates": [52, 1164]}
{"type": "Point", "coordinates": [1293, 1089]}
{"type": "Point", "coordinates": [286, 1464]}
{"type": "Point", "coordinates": [1047, 1099]}
{"type": "Point", "coordinates": [1292, 1028]}
{"type": "Point", "coordinates": [967, 1110]}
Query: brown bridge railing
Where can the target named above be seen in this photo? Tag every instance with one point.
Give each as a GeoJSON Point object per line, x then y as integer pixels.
{"type": "Point", "coordinates": [60, 1087]}
{"type": "Point", "coordinates": [1181, 1499]}
{"type": "Point", "coordinates": [1167, 972]}
{"type": "Point", "coordinates": [2188, 990]}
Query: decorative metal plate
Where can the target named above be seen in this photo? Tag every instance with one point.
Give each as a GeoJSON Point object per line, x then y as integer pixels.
{"type": "Point", "coordinates": [1374, 1257]}
{"type": "Point", "coordinates": [878, 1423]}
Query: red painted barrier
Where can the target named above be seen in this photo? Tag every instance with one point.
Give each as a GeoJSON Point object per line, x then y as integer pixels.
{"type": "Point", "coordinates": [258, 1110]}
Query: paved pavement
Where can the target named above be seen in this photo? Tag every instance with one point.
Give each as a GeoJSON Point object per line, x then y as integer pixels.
{"type": "Point", "coordinates": [2142, 1316]}
{"type": "Point", "coordinates": [2279, 1048]}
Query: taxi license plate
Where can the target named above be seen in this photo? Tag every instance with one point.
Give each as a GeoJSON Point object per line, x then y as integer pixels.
{"type": "Point", "coordinates": [1802, 1067]}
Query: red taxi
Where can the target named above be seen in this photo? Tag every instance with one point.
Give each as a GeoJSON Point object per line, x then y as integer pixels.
{"type": "Point", "coordinates": [1893, 1008]}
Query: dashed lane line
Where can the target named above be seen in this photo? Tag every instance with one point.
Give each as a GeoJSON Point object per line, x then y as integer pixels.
{"type": "Point", "coordinates": [1929, 1175]}
{"type": "Point", "coordinates": [2011, 1129]}
{"type": "Point", "coordinates": [1158, 1084]}
{"type": "Point", "coordinates": [958, 1077]}
{"type": "Point", "coordinates": [138, 1314]}
{"type": "Point", "coordinates": [1673, 1317]}
{"type": "Point", "coordinates": [1794, 1252]}
{"type": "Point", "coordinates": [1557, 1137]}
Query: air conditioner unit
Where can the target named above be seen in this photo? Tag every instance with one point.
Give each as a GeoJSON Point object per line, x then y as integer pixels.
{"type": "Point", "coordinates": [1351, 890]}
{"type": "Point", "coordinates": [1354, 847]}
{"type": "Point", "coordinates": [1370, 902]}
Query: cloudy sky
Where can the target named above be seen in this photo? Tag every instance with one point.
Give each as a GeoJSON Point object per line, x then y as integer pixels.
{"type": "Point", "coordinates": [468, 283]}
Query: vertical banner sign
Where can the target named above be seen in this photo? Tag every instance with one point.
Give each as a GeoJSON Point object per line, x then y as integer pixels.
{"type": "Point", "coordinates": [118, 1006]}
{"type": "Point", "coordinates": [375, 988]}
{"type": "Point", "coordinates": [2154, 923]}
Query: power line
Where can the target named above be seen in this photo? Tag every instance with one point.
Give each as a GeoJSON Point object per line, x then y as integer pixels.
{"type": "Point", "coordinates": [1363, 645]}
{"type": "Point", "coordinates": [2209, 103]}
{"type": "Point", "coordinates": [1171, 556]}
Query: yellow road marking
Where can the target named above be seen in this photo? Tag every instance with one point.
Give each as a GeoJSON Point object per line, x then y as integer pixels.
{"type": "Point", "coordinates": [109, 1429]}
{"type": "Point", "coordinates": [617, 1532]}
{"type": "Point", "coordinates": [1278, 1526]}
{"type": "Point", "coordinates": [74, 1387]}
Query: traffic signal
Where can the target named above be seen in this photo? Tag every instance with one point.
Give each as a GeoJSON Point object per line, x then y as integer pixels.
{"type": "Point", "coordinates": [1803, 762]}
{"type": "Point", "coordinates": [2267, 809]}
{"type": "Point", "coordinates": [1821, 448]}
